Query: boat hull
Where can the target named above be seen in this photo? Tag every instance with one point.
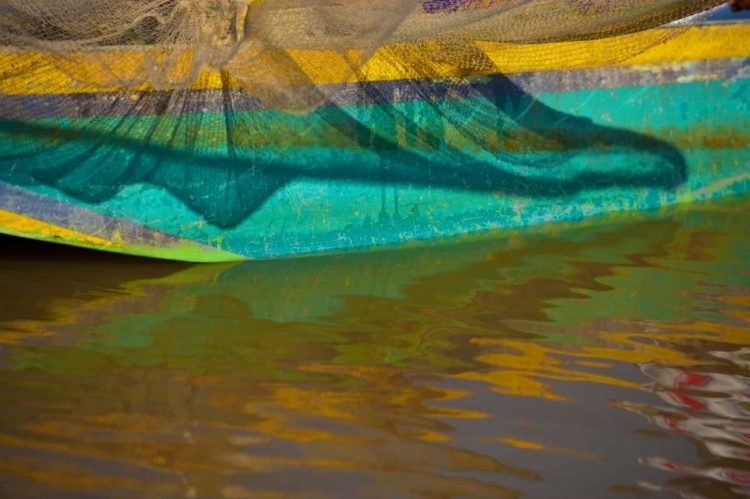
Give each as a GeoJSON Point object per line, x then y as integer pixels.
{"type": "Point", "coordinates": [397, 161]}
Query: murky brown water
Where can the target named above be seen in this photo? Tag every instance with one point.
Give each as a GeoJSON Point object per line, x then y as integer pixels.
{"type": "Point", "coordinates": [608, 361]}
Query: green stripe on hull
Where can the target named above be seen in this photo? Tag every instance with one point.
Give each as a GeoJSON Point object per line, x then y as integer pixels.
{"type": "Point", "coordinates": [267, 184]}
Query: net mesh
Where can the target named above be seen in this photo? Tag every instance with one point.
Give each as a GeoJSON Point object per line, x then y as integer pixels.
{"type": "Point", "coordinates": [223, 103]}
{"type": "Point", "coordinates": [266, 45]}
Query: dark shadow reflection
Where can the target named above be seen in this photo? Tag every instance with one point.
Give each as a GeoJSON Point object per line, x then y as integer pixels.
{"type": "Point", "coordinates": [393, 367]}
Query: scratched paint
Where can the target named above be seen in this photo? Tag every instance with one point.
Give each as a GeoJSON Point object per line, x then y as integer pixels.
{"type": "Point", "coordinates": [400, 161]}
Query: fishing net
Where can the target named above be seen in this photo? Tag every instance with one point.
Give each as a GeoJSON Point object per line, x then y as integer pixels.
{"type": "Point", "coordinates": [267, 46]}
{"type": "Point", "coordinates": [223, 103]}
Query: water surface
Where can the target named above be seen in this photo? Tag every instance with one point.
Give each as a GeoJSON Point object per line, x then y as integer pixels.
{"type": "Point", "coordinates": [606, 360]}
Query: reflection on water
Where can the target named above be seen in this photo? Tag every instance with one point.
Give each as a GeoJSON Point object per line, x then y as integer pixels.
{"type": "Point", "coordinates": [607, 361]}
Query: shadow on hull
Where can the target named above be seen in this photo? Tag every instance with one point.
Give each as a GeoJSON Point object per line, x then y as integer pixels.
{"type": "Point", "coordinates": [223, 155]}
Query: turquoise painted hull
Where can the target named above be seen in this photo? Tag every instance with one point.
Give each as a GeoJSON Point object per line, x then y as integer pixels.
{"type": "Point", "coordinates": [395, 163]}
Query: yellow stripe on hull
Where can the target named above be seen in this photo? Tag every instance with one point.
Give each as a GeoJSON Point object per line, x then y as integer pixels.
{"type": "Point", "coordinates": [649, 47]}
{"type": "Point", "coordinates": [30, 227]}
{"type": "Point", "coordinates": [27, 73]}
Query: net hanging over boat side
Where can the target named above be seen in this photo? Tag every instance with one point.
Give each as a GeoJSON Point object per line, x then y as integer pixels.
{"type": "Point", "coordinates": [222, 103]}
{"type": "Point", "coordinates": [167, 44]}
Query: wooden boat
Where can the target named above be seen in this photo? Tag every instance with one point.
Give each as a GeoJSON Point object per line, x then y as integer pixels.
{"type": "Point", "coordinates": [295, 150]}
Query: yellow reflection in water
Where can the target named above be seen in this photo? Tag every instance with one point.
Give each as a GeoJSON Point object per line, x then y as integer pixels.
{"type": "Point", "coordinates": [433, 373]}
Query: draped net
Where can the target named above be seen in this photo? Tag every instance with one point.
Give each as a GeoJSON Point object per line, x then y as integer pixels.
{"type": "Point", "coordinates": [260, 43]}
{"type": "Point", "coordinates": [223, 103]}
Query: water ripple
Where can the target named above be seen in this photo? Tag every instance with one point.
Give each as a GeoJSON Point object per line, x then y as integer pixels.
{"type": "Point", "coordinates": [598, 361]}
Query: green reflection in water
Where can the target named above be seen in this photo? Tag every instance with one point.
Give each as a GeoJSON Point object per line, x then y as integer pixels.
{"type": "Point", "coordinates": [602, 360]}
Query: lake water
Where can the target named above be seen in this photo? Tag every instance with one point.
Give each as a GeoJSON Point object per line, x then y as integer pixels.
{"type": "Point", "coordinates": [596, 361]}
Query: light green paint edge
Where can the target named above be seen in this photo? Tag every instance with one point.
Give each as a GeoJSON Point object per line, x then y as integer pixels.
{"type": "Point", "coordinates": [187, 251]}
